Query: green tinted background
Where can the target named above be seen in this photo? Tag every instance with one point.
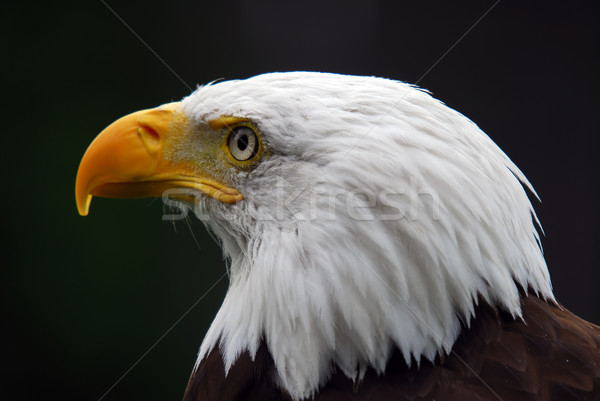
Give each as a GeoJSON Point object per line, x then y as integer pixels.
{"type": "Point", "coordinates": [82, 299]}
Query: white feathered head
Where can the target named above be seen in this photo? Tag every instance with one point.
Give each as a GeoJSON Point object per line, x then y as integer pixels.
{"type": "Point", "coordinates": [358, 215]}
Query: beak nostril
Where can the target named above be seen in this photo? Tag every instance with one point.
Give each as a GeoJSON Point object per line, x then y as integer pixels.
{"type": "Point", "coordinates": [148, 134]}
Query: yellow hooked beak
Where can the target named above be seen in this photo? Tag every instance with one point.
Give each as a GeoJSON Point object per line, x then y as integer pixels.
{"type": "Point", "coordinates": [127, 160]}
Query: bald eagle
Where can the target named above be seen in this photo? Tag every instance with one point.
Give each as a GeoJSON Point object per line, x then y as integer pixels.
{"type": "Point", "coordinates": [380, 246]}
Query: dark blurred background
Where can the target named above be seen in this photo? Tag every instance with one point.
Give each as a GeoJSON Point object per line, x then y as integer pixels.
{"type": "Point", "coordinates": [82, 299]}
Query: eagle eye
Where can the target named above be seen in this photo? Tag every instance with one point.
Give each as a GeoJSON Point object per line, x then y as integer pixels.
{"type": "Point", "coordinates": [243, 143]}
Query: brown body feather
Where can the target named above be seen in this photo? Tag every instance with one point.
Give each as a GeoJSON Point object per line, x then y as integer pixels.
{"type": "Point", "coordinates": [550, 355]}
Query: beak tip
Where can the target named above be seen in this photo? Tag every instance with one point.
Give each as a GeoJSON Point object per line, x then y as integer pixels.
{"type": "Point", "coordinates": [83, 205]}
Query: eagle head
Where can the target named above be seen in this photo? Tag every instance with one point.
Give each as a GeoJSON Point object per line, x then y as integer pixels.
{"type": "Point", "coordinates": [358, 216]}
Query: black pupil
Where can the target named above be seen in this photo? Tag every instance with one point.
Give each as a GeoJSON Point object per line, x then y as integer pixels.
{"type": "Point", "coordinates": [242, 142]}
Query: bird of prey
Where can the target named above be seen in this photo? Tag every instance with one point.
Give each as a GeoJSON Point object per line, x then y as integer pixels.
{"type": "Point", "coordinates": [379, 245]}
